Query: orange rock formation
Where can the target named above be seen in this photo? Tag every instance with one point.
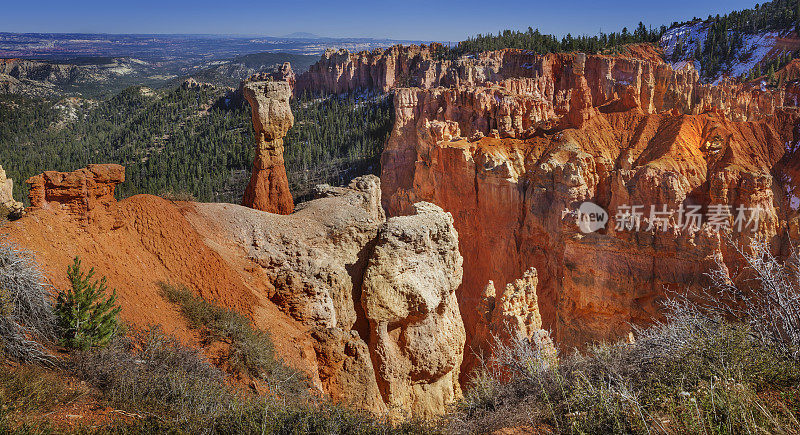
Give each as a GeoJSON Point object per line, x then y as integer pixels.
{"type": "Point", "coordinates": [513, 159]}
{"type": "Point", "coordinates": [87, 194]}
{"type": "Point", "coordinates": [272, 118]}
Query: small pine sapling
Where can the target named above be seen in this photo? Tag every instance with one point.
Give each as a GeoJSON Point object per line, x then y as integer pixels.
{"type": "Point", "coordinates": [86, 318]}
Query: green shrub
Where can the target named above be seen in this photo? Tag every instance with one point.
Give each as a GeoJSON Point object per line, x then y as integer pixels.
{"type": "Point", "coordinates": [85, 319]}
{"type": "Point", "coordinates": [249, 352]}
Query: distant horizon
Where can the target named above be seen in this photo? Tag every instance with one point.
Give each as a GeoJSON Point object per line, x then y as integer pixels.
{"type": "Point", "coordinates": [238, 35]}
{"type": "Point", "coordinates": [412, 20]}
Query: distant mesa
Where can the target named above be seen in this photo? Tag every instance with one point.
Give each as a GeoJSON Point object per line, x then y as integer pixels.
{"type": "Point", "coordinates": [302, 35]}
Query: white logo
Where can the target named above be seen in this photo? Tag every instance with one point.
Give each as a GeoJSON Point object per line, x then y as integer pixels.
{"type": "Point", "coordinates": [591, 217]}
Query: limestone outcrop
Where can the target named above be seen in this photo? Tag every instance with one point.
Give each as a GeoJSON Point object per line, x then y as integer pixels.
{"type": "Point", "coordinates": [86, 194]}
{"type": "Point", "coordinates": [9, 208]}
{"type": "Point", "coordinates": [513, 310]}
{"type": "Point", "coordinates": [268, 189]}
{"type": "Point", "coordinates": [377, 296]}
{"type": "Point", "coordinates": [509, 316]}
{"type": "Point", "coordinates": [310, 265]}
{"type": "Point", "coordinates": [408, 296]}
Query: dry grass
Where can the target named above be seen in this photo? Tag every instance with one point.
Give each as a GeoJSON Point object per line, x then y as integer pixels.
{"type": "Point", "coordinates": [33, 390]}
{"type": "Point", "coordinates": [249, 352]}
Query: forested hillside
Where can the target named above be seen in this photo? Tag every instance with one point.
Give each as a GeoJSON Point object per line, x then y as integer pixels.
{"type": "Point", "coordinates": [179, 142]}
{"type": "Point", "coordinates": [541, 43]}
{"type": "Point", "coordinates": [336, 139]}
{"type": "Point", "coordinates": [747, 44]}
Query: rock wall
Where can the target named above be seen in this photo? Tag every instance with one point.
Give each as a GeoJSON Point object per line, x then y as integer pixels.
{"type": "Point", "coordinates": [268, 189]}
{"type": "Point", "coordinates": [513, 160]}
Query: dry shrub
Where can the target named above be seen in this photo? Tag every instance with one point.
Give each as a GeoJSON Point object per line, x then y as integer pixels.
{"type": "Point", "coordinates": [707, 367]}
{"type": "Point", "coordinates": [765, 295]}
{"type": "Point", "coordinates": [178, 195]}
{"type": "Point", "coordinates": [26, 311]}
{"type": "Point", "coordinates": [148, 372]}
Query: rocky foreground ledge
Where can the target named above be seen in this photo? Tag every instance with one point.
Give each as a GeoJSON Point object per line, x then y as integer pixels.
{"type": "Point", "coordinates": [365, 305]}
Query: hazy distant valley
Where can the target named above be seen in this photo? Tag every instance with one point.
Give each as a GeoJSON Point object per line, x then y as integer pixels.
{"type": "Point", "coordinates": [89, 65]}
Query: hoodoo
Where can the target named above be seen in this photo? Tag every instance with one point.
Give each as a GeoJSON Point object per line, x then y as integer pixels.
{"type": "Point", "coordinates": [272, 118]}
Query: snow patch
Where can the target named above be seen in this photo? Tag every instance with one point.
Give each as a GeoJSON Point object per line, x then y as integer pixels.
{"type": "Point", "coordinates": [759, 45]}
{"type": "Point", "coordinates": [755, 48]}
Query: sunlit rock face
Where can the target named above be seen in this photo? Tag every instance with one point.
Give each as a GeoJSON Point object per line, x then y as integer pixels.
{"type": "Point", "coordinates": [513, 159]}
{"type": "Point", "coordinates": [9, 208]}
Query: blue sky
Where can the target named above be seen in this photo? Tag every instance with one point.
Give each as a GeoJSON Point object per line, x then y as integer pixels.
{"type": "Point", "coordinates": [406, 19]}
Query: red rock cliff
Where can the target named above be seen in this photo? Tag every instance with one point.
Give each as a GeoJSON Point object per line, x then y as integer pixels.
{"type": "Point", "coordinates": [513, 160]}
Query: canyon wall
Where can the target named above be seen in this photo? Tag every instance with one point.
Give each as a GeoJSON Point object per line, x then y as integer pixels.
{"type": "Point", "coordinates": [641, 77]}
{"type": "Point", "coordinates": [513, 160]}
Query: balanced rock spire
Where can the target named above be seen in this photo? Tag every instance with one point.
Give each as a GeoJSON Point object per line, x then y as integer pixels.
{"type": "Point", "coordinates": [272, 118]}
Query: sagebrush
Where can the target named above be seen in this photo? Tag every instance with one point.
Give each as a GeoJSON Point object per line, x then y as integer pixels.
{"type": "Point", "coordinates": [720, 361]}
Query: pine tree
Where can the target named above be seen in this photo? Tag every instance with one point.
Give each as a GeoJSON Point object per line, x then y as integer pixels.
{"type": "Point", "coordinates": [84, 318]}
{"type": "Point", "coordinates": [797, 18]}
